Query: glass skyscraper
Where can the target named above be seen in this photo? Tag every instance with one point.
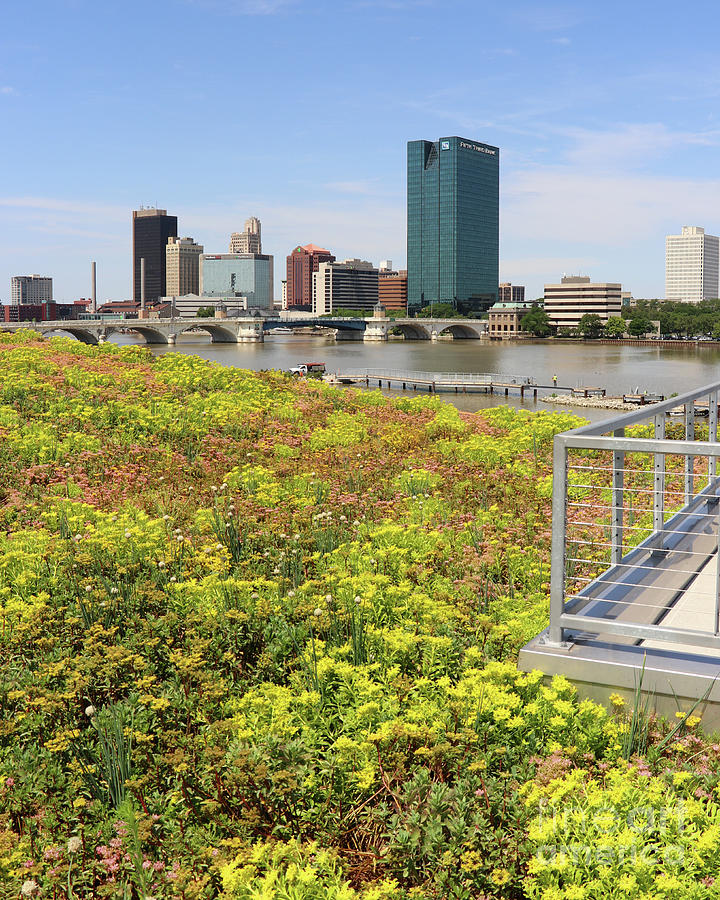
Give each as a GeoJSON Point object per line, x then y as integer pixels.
{"type": "Point", "coordinates": [453, 224]}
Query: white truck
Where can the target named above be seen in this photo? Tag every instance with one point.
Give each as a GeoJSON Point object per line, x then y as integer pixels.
{"type": "Point", "coordinates": [308, 369]}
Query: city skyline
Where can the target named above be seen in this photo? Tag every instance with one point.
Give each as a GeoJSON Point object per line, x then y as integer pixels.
{"type": "Point", "coordinates": [608, 135]}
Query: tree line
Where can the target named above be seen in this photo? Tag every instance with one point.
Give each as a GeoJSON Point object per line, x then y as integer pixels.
{"type": "Point", "coordinates": [677, 320]}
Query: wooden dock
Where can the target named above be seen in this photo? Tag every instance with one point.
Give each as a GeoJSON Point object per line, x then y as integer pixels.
{"type": "Point", "coordinates": [588, 392]}
{"type": "Point", "coordinates": [643, 399]}
{"type": "Point", "coordinates": [436, 382]}
{"type": "Point", "coordinates": [463, 383]}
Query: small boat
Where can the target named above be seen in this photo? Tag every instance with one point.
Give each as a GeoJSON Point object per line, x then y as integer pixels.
{"type": "Point", "coordinates": [281, 330]}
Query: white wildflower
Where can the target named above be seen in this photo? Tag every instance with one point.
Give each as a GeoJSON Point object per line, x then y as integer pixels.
{"type": "Point", "coordinates": [74, 844]}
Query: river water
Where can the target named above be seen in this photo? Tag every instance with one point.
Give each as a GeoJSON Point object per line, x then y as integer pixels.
{"type": "Point", "coordinates": [617, 368]}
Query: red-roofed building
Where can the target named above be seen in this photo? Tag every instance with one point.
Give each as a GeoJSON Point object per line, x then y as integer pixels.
{"type": "Point", "coordinates": [301, 264]}
{"type": "Point", "coordinates": [127, 308]}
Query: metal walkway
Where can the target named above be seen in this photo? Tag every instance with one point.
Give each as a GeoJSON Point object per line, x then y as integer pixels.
{"type": "Point", "coordinates": [635, 584]}
{"type": "Point", "coordinates": [460, 382]}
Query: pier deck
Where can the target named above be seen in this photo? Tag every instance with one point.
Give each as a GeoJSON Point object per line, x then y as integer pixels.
{"type": "Point", "coordinates": [434, 382]}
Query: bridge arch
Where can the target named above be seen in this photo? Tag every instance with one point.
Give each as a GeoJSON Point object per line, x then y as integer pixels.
{"type": "Point", "coordinates": [80, 334]}
{"type": "Point", "coordinates": [413, 331]}
{"type": "Point", "coordinates": [342, 324]}
{"type": "Point", "coordinates": [463, 331]}
{"type": "Point", "coordinates": [219, 334]}
{"type": "Point", "coordinates": [151, 335]}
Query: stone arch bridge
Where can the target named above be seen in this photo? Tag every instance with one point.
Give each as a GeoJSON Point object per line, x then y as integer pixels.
{"type": "Point", "coordinates": [252, 329]}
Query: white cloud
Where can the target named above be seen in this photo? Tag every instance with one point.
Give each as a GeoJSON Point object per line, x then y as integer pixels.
{"type": "Point", "coordinates": [6, 90]}
{"type": "Point", "coordinates": [65, 206]}
{"type": "Point", "coordinates": [546, 268]}
{"type": "Point", "coordinates": [549, 17]}
{"type": "Point", "coordinates": [393, 4]}
{"type": "Point", "coordinates": [351, 187]}
{"type": "Point", "coordinates": [47, 221]}
{"type": "Point", "coordinates": [246, 7]}
{"type": "Point", "coordinates": [631, 144]}
{"type": "Point", "coordinates": [610, 226]}
{"type": "Point", "coordinates": [567, 205]}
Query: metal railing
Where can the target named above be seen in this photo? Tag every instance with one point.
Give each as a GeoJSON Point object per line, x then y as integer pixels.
{"type": "Point", "coordinates": [484, 378]}
{"type": "Point", "coordinates": [635, 534]}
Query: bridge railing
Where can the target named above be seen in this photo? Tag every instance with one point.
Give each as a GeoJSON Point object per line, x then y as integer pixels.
{"type": "Point", "coordinates": [635, 535]}
{"type": "Point", "coordinates": [484, 378]}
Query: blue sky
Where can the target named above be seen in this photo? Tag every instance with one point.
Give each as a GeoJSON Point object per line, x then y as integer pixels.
{"type": "Point", "coordinates": [606, 114]}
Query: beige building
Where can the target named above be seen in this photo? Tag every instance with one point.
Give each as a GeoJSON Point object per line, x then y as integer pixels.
{"type": "Point", "coordinates": [504, 319]}
{"type": "Point", "coordinates": [30, 289]}
{"type": "Point", "coordinates": [182, 267]}
{"type": "Point", "coordinates": [248, 240]}
{"type": "Point", "coordinates": [351, 284]}
{"type": "Point", "coordinates": [691, 265]}
{"type": "Point", "coordinates": [566, 303]}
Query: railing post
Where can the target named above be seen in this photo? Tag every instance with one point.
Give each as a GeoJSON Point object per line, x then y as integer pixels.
{"type": "Point", "coordinates": [689, 460]}
{"type": "Point", "coordinates": [716, 621]}
{"type": "Point", "coordinates": [618, 502]}
{"type": "Point", "coordinates": [659, 484]}
{"type": "Point", "coordinates": [712, 432]}
{"type": "Point", "coordinates": [559, 536]}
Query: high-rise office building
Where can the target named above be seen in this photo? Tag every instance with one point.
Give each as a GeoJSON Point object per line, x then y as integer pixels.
{"type": "Point", "coordinates": [30, 289]}
{"type": "Point", "coordinates": [182, 266]}
{"type": "Point", "coordinates": [351, 284]}
{"type": "Point", "coordinates": [691, 265]}
{"type": "Point", "coordinates": [248, 240]}
{"type": "Point", "coordinates": [452, 224]}
{"type": "Point", "coordinates": [301, 264]}
{"type": "Point", "coordinates": [151, 230]}
{"type": "Point", "coordinates": [238, 275]}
